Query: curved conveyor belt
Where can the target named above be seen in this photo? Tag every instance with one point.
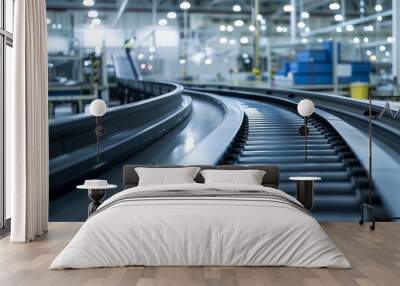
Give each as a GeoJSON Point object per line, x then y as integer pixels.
{"type": "Point", "coordinates": [272, 137]}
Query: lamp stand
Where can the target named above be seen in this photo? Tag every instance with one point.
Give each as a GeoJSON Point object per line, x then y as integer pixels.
{"type": "Point", "coordinates": [99, 132]}
{"type": "Point", "coordinates": [369, 205]}
{"type": "Point", "coordinates": [304, 131]}
{"type": "Point", "coordinates": [305, 138]}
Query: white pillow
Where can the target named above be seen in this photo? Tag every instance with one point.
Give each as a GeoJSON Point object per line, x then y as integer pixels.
{"type": "Point", "coordinates": [246, 177]}
{"type": "Point", "coordinates": [166, 176]}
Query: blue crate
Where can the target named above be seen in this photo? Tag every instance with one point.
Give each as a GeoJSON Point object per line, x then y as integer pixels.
{"type": "Point", "coordinates": [354, 78]}
{"type": "Point", "coordinates": [302, 67]}
{"type": "Point", "coordinates": [361, 67]}
{"type": "Point", "coordinates": [311, 79]}
{"type": "Point", "coordinates": [328, 46]}
{"type": "Point", "coordinates": [312, 56]}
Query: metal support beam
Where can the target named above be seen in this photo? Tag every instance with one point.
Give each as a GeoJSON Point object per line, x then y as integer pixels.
{"type": "Point", "coordinates": [293, 21]}
{"type": "Point", "coordinates": [256, 41]}
{"type": "Point", "coordinates": [395, 45]}
{"type": "Point", "coordinates": [350, 22]}
{"type": "Point", "coordinates": [185, 42]}
{"type": "Point", "coordinates": [343, 7]}
{"type": "Point", "coordinates": [121, 12]}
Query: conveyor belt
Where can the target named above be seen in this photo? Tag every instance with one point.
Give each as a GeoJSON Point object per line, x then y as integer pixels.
{"type": "Point", "coordinates": [270, 136]}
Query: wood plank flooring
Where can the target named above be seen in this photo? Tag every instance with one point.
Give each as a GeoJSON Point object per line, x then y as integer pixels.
{"type": "Point", "coordinates": [375, 257]}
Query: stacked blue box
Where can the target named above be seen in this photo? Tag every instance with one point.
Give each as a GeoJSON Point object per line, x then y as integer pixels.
{"type": "Point", "coordinates": [312, 56]}
{"type": "Point", "coordinates": [359, 73]}
{"type": "Point", "coordinates": [312, 67]}
{"type": "Point", "coordinates": [304, 67]}
{"type": "Point", "coordinates": [309, 79]}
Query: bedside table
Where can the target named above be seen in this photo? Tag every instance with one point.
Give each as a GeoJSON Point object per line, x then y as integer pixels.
{"type": "Point", "coordinates": [305, 190]}
{"type": "Point", "coordinates": [96, 193]}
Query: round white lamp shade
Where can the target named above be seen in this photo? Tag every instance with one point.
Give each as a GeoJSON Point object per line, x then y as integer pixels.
{"type": "Point", "coordinates": [98, 107]}
{"type": "Point", "coordinates": [305, 107]}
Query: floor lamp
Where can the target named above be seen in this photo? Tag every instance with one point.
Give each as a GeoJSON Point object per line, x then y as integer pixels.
{"type": "Point", "coordinates": [305, 108]}
{"type": "Point", "coordinates": [369, 206]}
{"type": "Point", "coordinates": [98, 108]}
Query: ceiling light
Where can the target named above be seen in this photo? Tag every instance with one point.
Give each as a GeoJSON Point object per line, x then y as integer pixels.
{"type": "Point", "coordinates": [162, 22]}
{"type": "Point", "coordinates": [365, 40]}
{"type": "Point", "coordinates": [307, 30]}
{"type": "Point", "coordinates": [334, 6]}
{"type": "Point", "coordinates": [339, 29]}
{"type": "Point", "coordinates": [285, 29]}
{"type": "Point", "coordinates": [304, 41]}
{"type": "Point", "coordinates": [96, 21]}
{"type": "Point", "coordinates": [368, 52]}
{"type": "Point", "coordinates": [151, 57]}
{"type": "Point", "coordinates": [390, 39]}
{"type": "Point", "coordinates": [245, 56]}
{"type": "Point", "coordinates": [263, 28]}
{"type": "Point", "coordinates": [349, 28]}
{"type": "Point", "coordinates": [382, 48]}
{"type": "Point", "coordinates": [301, 25]}
{"type": "Point", "coordinates": [140, 56]}
{"type": "Point", "coordinates": [247, 61]}
{"type": "Point", "coordinates": [171, 15]}
{"type": "Point", "coordinates": [372, 58]}
{"type": "Point", "coordinates": [229, 28]}
{"type": "Point", "coordinates": [259, 17]}
{"type": "Point", "coordinates": [338, 17]}
{"type": "Point", "coordinates": [93, 14]}
{"type": "Point", "coordinates": [279, 29]}
{"type": "Point", "coordinates": [238, 23]}
{"type": "Point", "coordinates": [378, 8]}
{"type": "Point", "coordinates": [244, 40]}
{"type": "Point", "coordinates": [288, 8]}
{"type": "Point", "coordinates": [149, 67]}
{"type": "Point", "coordinates": [143, 66]}
{"type": "Point", "coordinates": [387, 54]}
{"type": "Point", "coordinates": [320, 40]}
{"type": "Point", "coordinates": [263, 22]}
{"type": "Point", "coordinates": [208, 61]}
{"type": "Point", "coordinates": [252, 28]}
{"type": "Point", "coordinates": [152, 49]}
{"type": "Point", "coordinates": [182, 61]}
{"type": "Point", "coordinates": [236, 8]}
{"type": "Point", "coordinates": [48, 21]}
{"type": "Point", "coordinates": [88, 3]}
{"type": "Point", "coordinates": [223, 40]}
{"type": "Point", "coordinates": [305, 15]}
{"type": "Point", "coordinates": [379, 18]}
{"type": "Point", "coordinates": [59, 26]}
{"type": "Point", "coordinates": [185, 5]}
{"type": "Point", "coordinates": [232, 42]}
{"type": "Point", "coordinates": [222, 28]}
{"type": "Point", "coordinates": [356, 40]}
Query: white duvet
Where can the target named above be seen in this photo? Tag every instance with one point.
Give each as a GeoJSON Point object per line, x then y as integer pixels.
{"type": "Point", "coordinates": [200, 231]}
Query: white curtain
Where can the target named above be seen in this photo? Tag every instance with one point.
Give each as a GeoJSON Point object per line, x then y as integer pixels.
{"type": "Point", "coordinates": [27, 124]}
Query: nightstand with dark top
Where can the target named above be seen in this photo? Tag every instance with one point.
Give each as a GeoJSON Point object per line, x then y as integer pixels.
{"type": "Point", "coordinates": [305, 190]}
{"type": "Point", "coordinates": [96, 192]}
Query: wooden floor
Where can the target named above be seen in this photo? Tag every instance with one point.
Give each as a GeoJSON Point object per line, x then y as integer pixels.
{"type": "Point", "coordinates": [375, 257]}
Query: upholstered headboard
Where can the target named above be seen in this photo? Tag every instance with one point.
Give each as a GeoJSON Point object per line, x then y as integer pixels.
{"type": "Point", "coordinates": [271, 177]}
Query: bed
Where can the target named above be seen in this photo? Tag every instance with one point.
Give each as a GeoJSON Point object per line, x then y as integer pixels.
{"type": "Point", "coordinates": [198, 224]}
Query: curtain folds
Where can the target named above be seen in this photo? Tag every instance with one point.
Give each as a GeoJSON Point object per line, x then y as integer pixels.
{"type": "Point", "coordinates": [27, 123]}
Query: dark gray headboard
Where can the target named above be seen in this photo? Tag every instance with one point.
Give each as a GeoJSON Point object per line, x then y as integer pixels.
{"type": "Point", "coordinates": [271, 177]}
